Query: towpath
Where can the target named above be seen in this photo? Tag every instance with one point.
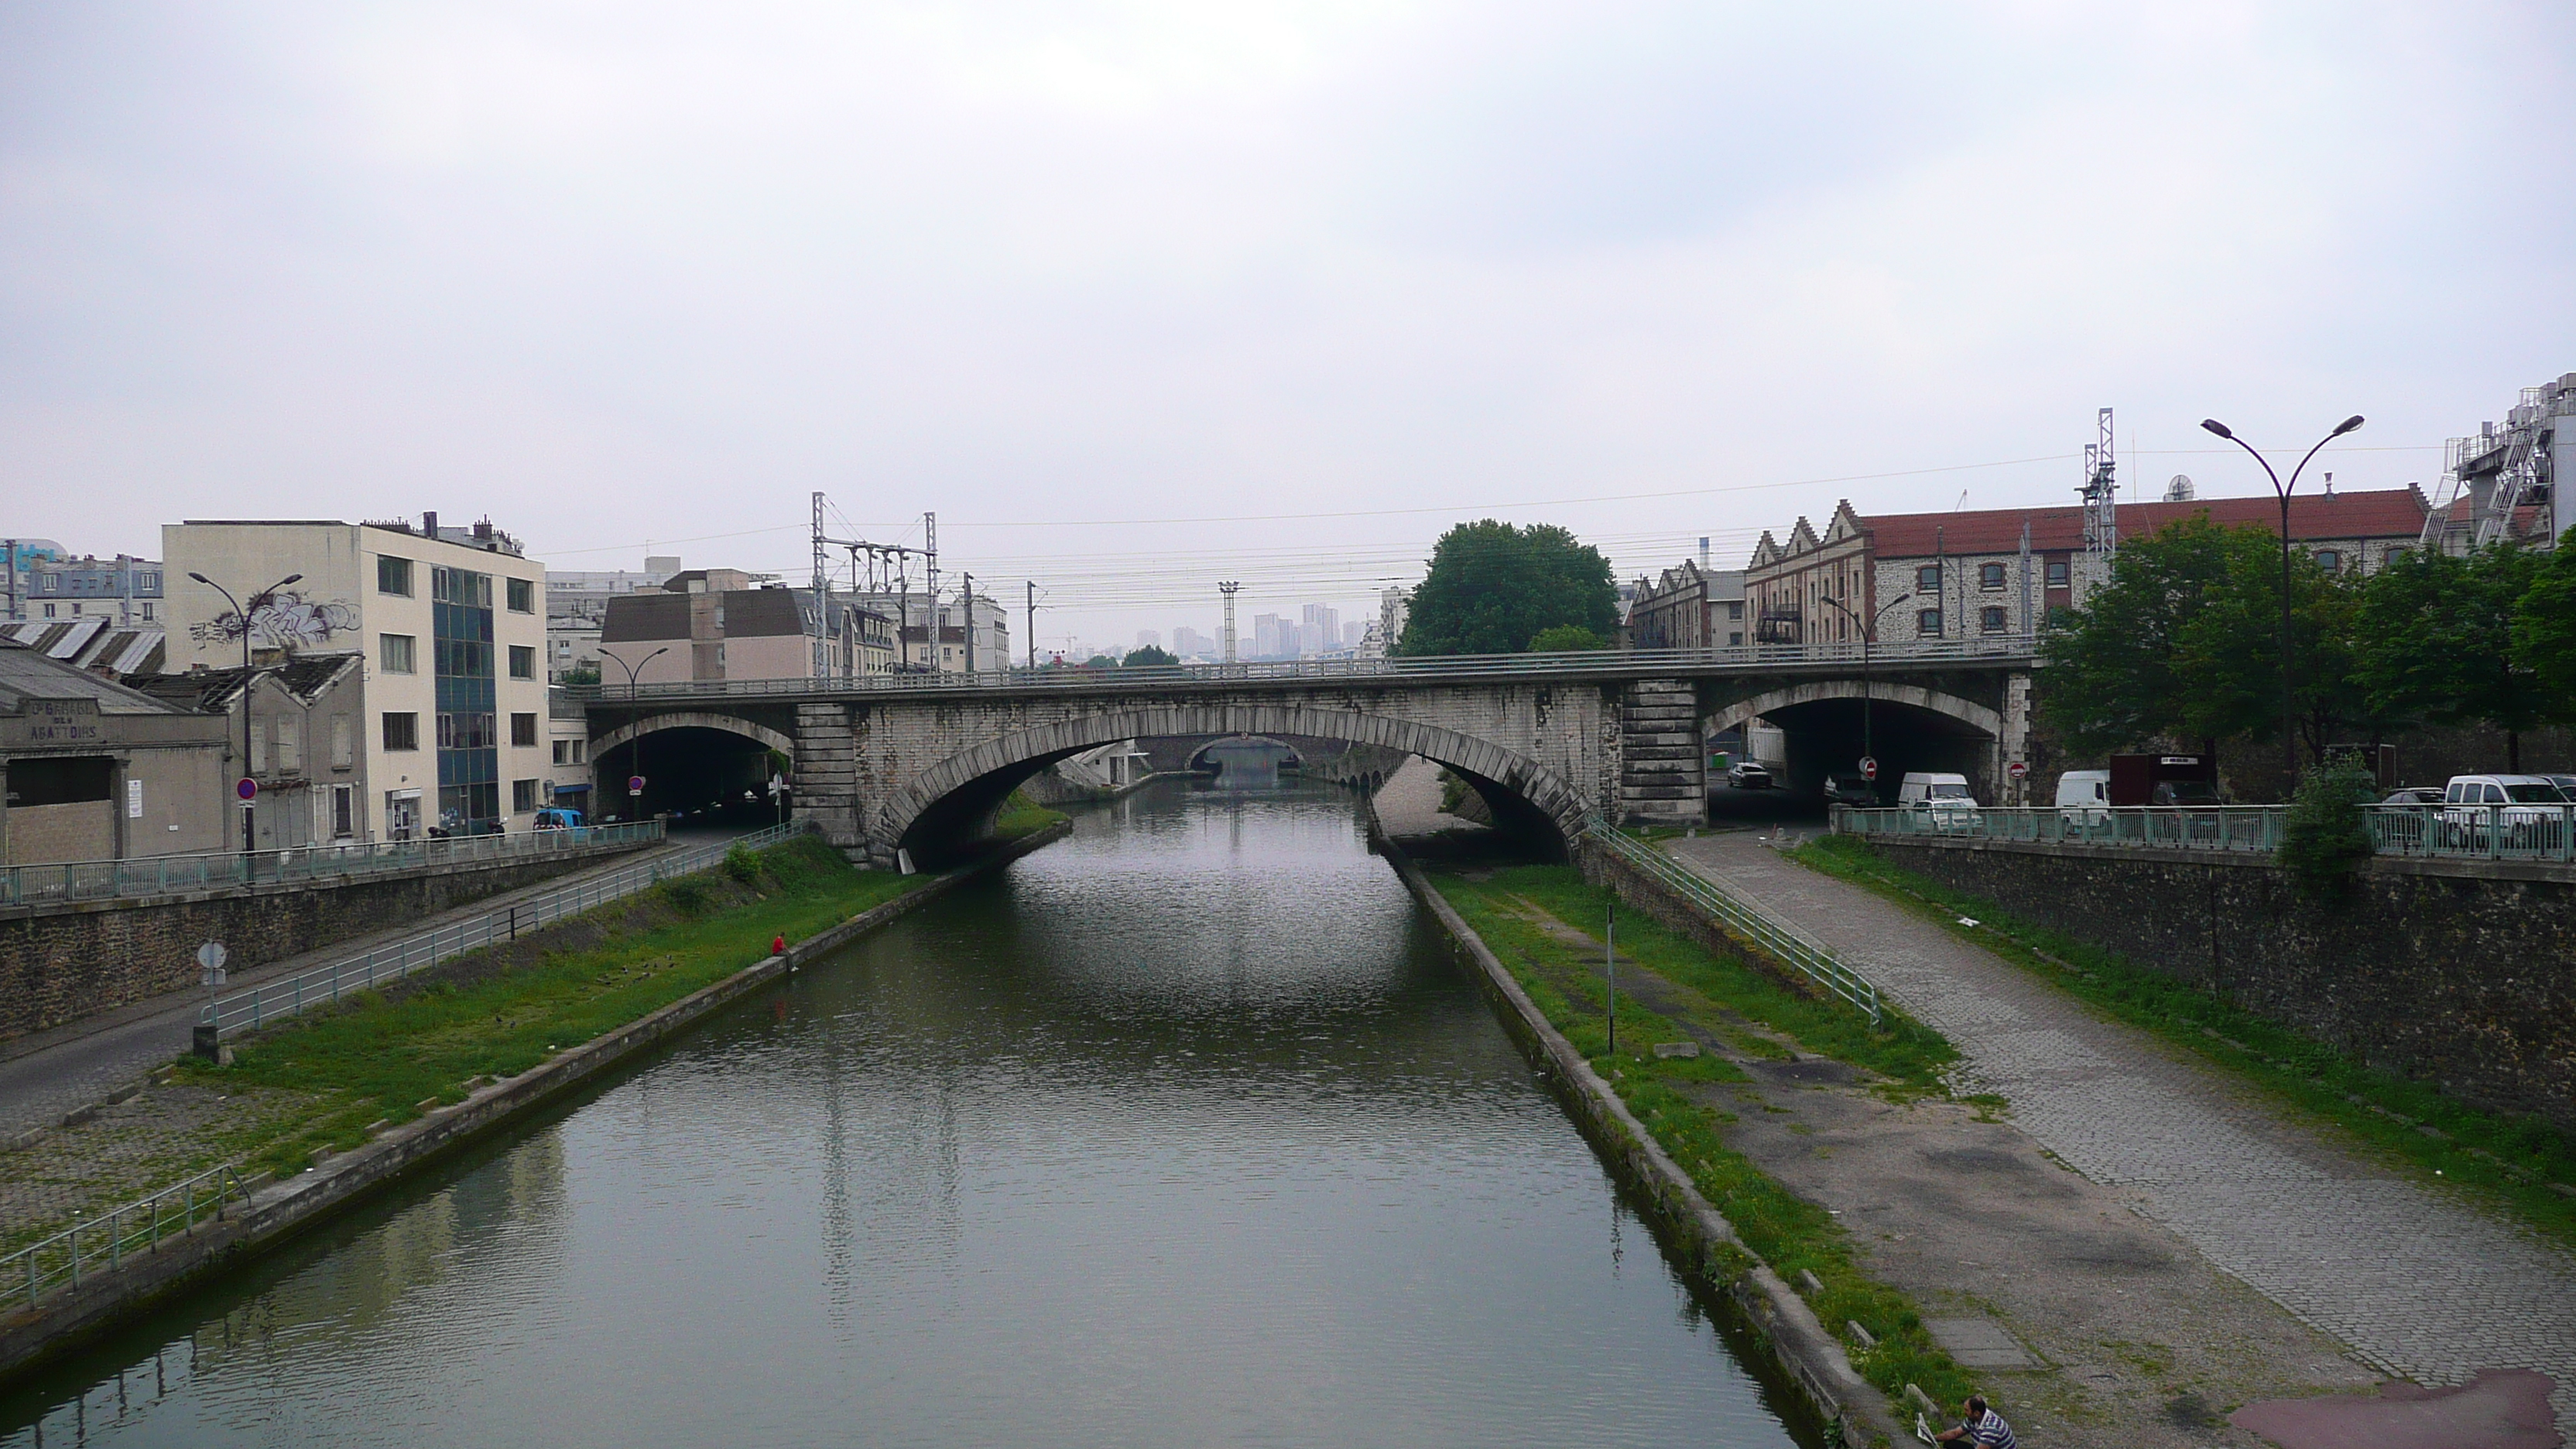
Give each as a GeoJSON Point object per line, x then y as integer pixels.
{"type": "Point", "coordinates": [2418, 1282]}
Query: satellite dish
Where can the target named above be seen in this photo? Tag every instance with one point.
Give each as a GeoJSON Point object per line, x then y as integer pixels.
{"type": "Point", "coordinates": [2179, 490]}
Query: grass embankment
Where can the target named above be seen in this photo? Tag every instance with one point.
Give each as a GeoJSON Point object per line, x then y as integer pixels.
{"type": "Point", "coordinates": [1022, 816]}
{"type": "Point", "coordinates": [1678, 1099]}
{"type": "Point", "coordinates": [2511, 1162]}
{"type": "Point", "coordinates": [388, 1054]}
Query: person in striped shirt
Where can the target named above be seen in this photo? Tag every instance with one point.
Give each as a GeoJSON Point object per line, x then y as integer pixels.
{"type": "Point", "coordinates": [1983, 1428]}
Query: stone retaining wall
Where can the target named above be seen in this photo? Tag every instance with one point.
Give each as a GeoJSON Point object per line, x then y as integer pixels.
{"type": "Point", "coordinates": [58, 963]}
{"type": "Point", "coordinates": [2463, 978]}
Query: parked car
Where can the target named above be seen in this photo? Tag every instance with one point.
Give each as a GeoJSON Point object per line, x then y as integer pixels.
{"type": "Point", "coordinates": [556, 817]}
{"type": "Point", "coordinates": [2525, 810]}
{"type": "Point", "coordinates": [2084, 796]}
{"type": "Point", "coordinates": [1944, 797]}
{"type": "Point", "coordinates": [1746, 775]}
{"type": "Point", "coordinates": [2420, 795]}
{"type": "Point", "coordinates": [1850, 790]}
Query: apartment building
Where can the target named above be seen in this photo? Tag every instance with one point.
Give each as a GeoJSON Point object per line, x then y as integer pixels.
{"type": "Point", "coordinates": [450, 628]}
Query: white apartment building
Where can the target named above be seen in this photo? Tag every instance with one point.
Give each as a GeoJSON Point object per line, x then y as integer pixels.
{"type": "Point", "coordinates": [450, 624]}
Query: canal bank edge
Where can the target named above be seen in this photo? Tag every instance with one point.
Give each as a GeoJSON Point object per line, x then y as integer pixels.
{"type": "Point", "coordinates": [277, 1211]}
{"type": "Point", "coordinates": [1812, 1357]}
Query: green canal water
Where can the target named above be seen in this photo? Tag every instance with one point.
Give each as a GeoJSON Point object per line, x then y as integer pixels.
{"type": "Point", "coordinates": [1182, 1131]}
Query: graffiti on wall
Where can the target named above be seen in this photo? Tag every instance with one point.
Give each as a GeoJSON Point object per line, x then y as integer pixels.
{"type": "Point", "coordinates": [285, 620]}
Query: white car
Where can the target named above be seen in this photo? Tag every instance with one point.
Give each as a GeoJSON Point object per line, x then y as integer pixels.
{"type": "Point", "coordinates": [1746, 775]}
{"type": "Point", "coordinates": [2524, 810]}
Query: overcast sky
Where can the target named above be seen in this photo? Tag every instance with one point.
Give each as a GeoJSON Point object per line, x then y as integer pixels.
{"type": "Point", "coordinates": [1139, 296]}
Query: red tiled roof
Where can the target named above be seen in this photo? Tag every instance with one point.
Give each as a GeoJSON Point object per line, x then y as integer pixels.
{"type": "Point", "coordinates": [2384, 513]}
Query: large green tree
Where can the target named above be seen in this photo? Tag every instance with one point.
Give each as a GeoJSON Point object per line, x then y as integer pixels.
{"type": "Point", "coordinates": [2113, 677]}
{"type": "Point", "coordinates": [1492, 588]}
{"type": "Point", "coordinates": [2544, 631]}
{"type": "Point", "coordinates": [1147, 654]}
{"type": "Point", "coordinates": [2436, 642]}
{"type": "Point", "coordinates": [2230, 659]}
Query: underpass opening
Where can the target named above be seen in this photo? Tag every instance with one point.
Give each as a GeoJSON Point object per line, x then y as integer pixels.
{"type": "Point", "coordinates": [1826, 737]}
{"type": "Point", "coordinates": [1237, 758]}
{"type": "Point", "coordinates": [696, 774]}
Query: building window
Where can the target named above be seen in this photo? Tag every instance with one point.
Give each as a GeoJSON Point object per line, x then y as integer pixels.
{"type": "Point", "coordinates": [340, 742]}
{"type": "Point", "coordinates": [1990, 576]}
{"type": "Point", "coordinates": [49, 611]}
{"type": "Point", "coordinates": [2057, 573]}
{"type": "Point", "coordinates": [523, 596]}
{"type": "Point", "coordinates": [523, 796]}
{"type": "Point", "coordinates": [1928, 578]}
{"type": "Point", "coordinates": [523, 659]}
{"type": "Point", "coordinates": [393, 576]}
{"type": "Point", "coordinates": [147, 613]}
{"type": "Point", "coordinates": [1991, 619]}
{"type": "Point", "coordinates": [402, 731]}
{"type": "Point", "coordinates": [563, 752]}
{"type": "Point", "coordinates": [397, 653]}
{"type": "Point", "coordinates": [2331, 560]}
{"type": "Point", "coordinates": [344, 810]}
{"type": "Point", "coordinates": [523, 729]}
{"type": "Point", "coordinates": [1735, 608]}
{"type": "Point", "coordinates": [290, 745]}
{"type": "Point", "coordinates": [1735, 639]}
{"type": "Point", "coordinates": [1927, 622]}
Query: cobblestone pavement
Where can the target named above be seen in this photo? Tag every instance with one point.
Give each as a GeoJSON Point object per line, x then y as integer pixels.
{"type": "Point", "coordinates": [2422, 1284]}
{"type": "Point", "coordinates": [163, 1135]}
{"type": "Point", "coordinates": [46, 1074]}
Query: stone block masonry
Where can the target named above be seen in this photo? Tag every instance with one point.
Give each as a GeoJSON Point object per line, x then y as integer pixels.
{"type": "Point", "coordinates": [1663, 766]}
{"type": "Point", "coordinates": [59, 963]}
{"type": "Point", "coordinates": [2466, 981]}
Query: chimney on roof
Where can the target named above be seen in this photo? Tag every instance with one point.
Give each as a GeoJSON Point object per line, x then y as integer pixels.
{"type": "Point", "coordinates": [2330, 488]}
{"type": "Point", "coordinates": [429, 525]}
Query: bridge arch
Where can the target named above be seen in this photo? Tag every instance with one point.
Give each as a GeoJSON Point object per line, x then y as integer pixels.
{"type": "Point", "coordinates": [693, 719]}
{"type": "Point", "coordinates": [938, 814]}
{"type": "Point", "coordinates": [1199, 757]}
{"type": "Point", "coordinates": [1978, 717]}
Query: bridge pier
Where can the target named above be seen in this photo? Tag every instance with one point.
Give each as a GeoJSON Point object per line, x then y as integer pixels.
{"type": "Point", "coordinates": [827, 775]}
{"type": "Point", "coordinates": [1663, 766]}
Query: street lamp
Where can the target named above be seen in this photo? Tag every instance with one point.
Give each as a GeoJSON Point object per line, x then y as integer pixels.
{"type": "Point", "coordinates": [635, 797]}
{"type": "Point", "coordinates": [258, 601]}
{"type": "Point", "coordinates": [1868, 632]}
{"type": "Point", "coordinates": [2289, 699]}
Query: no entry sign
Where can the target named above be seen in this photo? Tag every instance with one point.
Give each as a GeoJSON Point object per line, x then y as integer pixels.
{"type": "Point", "coordinates": [2017, 770]}
{"type": "Point", "coordinates": [1869, 767]}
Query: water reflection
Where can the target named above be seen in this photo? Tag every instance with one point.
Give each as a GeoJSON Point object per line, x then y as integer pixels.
{"type": "Point", "coordinates": [1183, 1131]}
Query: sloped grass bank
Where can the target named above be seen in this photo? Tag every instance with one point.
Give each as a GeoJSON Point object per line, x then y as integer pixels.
{"type": "Point", "coordinates": [1734, 1002]}
{"type": "Point", "coordinates": [2509, 1162]}
{"type": "Point", "coordinates": [389, 1055]}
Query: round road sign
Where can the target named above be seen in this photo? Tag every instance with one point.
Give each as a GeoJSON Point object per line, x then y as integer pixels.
{"type": "Point", "coordinates": [2017, 770]}
{"type": "Point", "coordinates": [246, 787]}
{"type": "Point", "coordinates": [634, 784]}
{"type": "Point", "coordinates": [1869, 767]}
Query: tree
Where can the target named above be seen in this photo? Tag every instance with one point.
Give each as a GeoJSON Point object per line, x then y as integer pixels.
{"type": "Point", "coordinates": [2323, 835]}
{"type": "Point", "coordinates": [1147, 654]}
{"type": "Point", "coordinates": [1565, 638]}
{"type": "Point", "coordinates": [580, 676]}
{"type": "Point", "coordinates": [2113, 679]}
{"type": "Point", "coordinates": [2229, 656]}
{"type": "Point", "coordinates": [1492, 588]}
{"type": "Point", "coordinates": [2544, 631]}
{"type": "Point", "coordinates": [2437, 642]}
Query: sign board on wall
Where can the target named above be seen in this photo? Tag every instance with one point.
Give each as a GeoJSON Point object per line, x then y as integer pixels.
{"type": "Point", "coordinates": [133, 799]}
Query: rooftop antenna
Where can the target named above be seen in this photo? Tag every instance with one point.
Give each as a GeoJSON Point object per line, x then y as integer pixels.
{"type": "Point", "coordinates": [2179, 490]}
{"type": "Point", "coordinates": [2101, 494]}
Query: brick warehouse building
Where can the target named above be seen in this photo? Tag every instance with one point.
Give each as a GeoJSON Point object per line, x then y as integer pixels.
{"type": "Point", "coordinates": [2002, 571]}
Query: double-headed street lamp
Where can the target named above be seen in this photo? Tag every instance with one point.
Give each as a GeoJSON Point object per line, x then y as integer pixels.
{"type": "Point", "coordinates": [248, 789]}
{"type": "Point", "coordinates": [2289, 695]}
{"type": "Point", "coordinates": [1868, 632]}
{"type": "Point", "coordinates": [634, 795]}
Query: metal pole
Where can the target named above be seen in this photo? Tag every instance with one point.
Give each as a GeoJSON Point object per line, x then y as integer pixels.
{"type": "Point", "coordinates": [969, 610]}
{"type": "Point", "coordinates": [1610, 968]}
{"type": "Point", "coordinates": [1033, 623]}
{"type": "Point", "coordinates": [2289, 694]}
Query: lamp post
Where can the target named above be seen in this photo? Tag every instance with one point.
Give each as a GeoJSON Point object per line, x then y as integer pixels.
{"type": "Point", "coordinates": [635, 797]}
{"type": "Point", "coordinates": [258, 601]}
{"type": "Point", "coordinates": [1868, 632]}
{"type": "Point", "coordinates": [2289, 696]}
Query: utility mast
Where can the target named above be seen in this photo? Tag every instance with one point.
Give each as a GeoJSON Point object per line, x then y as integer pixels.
{"type": "Point", "coordinates": [2101, 493]}
{"type": "Point", "coordinates": [1227, 588]}
{"type": "Point", "coordinates": [822, 595]}
{"type": "Point", "coordinates": [930, 571]}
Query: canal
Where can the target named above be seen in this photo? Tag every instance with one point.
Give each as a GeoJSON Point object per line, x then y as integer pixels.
{"type": "Point", "coordinates": [1185, 1130]}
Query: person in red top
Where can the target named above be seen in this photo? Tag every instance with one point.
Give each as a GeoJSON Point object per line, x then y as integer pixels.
{"type": "Point", "coordinates": [778, 944]}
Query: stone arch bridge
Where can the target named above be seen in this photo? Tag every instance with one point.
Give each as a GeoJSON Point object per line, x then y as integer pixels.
{"type": "Point", "coordinates": [903, 763]}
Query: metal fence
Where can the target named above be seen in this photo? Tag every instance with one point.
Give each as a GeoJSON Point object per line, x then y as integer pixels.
{"type": "Point", "coordinates": [1577, 664]}
{"type": "Point", "coordinates": [274, 1001]}
{"type": "Point", "coordinates": [2464, 832]}
{"type": "Point", "coordinates": [1768, 933]}
{"type": "Point", "coordinates": [92, 880]}
{"type": "Point", "coordinates": [103, 1242]}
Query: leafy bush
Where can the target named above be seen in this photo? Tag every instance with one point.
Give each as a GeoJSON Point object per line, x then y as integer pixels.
{"type": "Point", "coordinates": [2323, 836]}
{"type": "Point", "coordinates": [741, 864]}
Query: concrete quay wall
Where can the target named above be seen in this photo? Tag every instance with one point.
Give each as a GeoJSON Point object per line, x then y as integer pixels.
{"type": "Point", "coordinates": [62, 962]}
{"type": "Point", "coordinates": [2458, 977]}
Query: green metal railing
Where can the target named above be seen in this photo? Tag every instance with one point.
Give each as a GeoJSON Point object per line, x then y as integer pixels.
{"type": "Point", "coordinates": [2531, 832]}
{"type": "Point", "coordinates": [97, 880]}
{"type": "Point", "coordinates": [273, 1001]}
{"type": "Point", "coordinates": [1744, 920]}
{"type": "Point", "coordinates": [102, 1243]}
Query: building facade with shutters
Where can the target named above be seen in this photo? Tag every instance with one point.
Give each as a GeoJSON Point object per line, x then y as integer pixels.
{"type": "Point", "coordinates": [449, 625]}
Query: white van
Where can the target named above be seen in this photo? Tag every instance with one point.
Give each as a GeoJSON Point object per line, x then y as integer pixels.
{"type": "Point", "coordinates": [2084, 795]}
{"type": "Point", "coordinates": [1946, 797]}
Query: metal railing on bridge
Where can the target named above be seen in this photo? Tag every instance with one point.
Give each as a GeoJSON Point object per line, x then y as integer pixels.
{"type": "Point", "coordinates": [274, 1001]}
{"type": "Point", "coordinates": [1766, 932]}
{"type": "Point", "coordinates": [2460, 832]}
{"type": "Point", "coordinates": [1579, 664]}
{"type": "Point", "coordinates": [97, 880]}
